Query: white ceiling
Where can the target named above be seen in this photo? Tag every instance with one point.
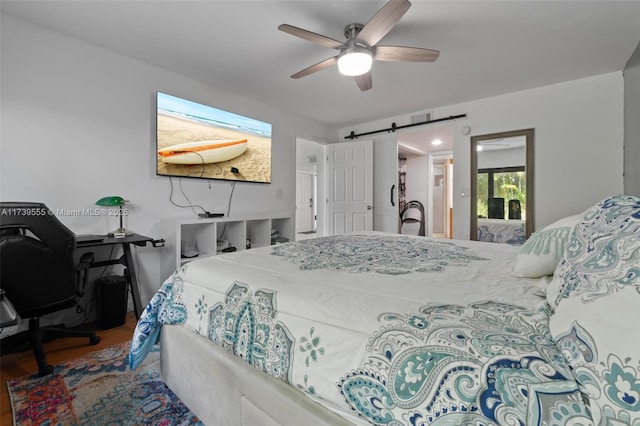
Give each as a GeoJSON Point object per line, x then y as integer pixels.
{"type": "Point", "coordinates": [487, 47]}
{"type": "Point", "coordinates": [418, 141]}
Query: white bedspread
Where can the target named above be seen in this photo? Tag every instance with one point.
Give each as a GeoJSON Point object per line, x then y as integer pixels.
{"type": "Point", "coordinates": [385, 327]}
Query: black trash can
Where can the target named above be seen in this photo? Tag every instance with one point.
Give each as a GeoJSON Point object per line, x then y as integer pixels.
{"type": "Point", "coordinates": [112, 301]}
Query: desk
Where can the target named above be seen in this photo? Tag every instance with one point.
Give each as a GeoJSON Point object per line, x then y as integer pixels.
{"type": "Point", "coordinates": [126, 260]}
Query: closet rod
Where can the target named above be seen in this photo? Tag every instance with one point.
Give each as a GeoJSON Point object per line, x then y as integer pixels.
{"type": "Point", "coordinates": [393, 127]}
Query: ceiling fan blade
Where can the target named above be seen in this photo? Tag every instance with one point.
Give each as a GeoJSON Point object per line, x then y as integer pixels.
{"type": "Point", "coordinates": [364, 81]}
{"type": "Point", "coordinates": [383, 21]}
{"type": "Point", "coordinates": [316, 67]}
{"type": "Point", "coordinates": [406, 54]}
{"type": "Point", "coordinates": [312, 37]}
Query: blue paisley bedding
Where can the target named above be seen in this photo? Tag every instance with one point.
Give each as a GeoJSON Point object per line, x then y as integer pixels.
{"type": "Point", "coordinates": [384, 329]}
{"type": "Point", "coordinates": [501, 231]}
{"type": "Point", "coordinates": [595, 294]}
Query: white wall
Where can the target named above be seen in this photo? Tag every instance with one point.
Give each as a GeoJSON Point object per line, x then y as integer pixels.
{"type": "Point", "coordinates": [578, 142]}
{"type": "Point", "coordinates": [632, 124]}
{"type": "Point", "coordinates": [418, 179]}
{"type": "Point", "coordinates": [78, 123]}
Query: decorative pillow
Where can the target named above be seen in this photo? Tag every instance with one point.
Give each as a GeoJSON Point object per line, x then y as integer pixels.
{"type": "Point", "coordinates": [540, 254]}
{"type": "Point", "coordinates": [600, 340]}
{"type": "Point", "coordinates": [603, 254]}
{"type": "Point", "coordinates": [597, 301]}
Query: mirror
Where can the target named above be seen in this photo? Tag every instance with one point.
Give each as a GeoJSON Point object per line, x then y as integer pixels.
{"type": "Point", "coordinates": [502, 204]}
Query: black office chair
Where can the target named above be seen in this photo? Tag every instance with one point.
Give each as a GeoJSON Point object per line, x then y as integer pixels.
{"type": "Point", "coordinates": [38, 273]}
{"type": "Point", "coordinates": [495, 208]}
{"type": "Point", "coordinates": [413, 212]}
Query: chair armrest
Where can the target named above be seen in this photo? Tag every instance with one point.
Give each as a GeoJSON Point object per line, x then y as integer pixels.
{"type": "Point", "coordinates": [85, 261]}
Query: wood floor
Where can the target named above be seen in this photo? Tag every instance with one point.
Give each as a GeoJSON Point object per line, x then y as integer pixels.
{"type": "Point", "coordinates": [58, 351]}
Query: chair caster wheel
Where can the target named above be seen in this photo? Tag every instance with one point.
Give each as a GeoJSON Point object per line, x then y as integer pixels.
{"type": "Point", "coordinates": [94, 340]}
{"type": "Point", "coordinates": [45, 371]}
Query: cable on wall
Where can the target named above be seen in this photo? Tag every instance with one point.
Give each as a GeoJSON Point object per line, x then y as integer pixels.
{"type": "Point", "coordinates": [224, 229]}
{"type": "Point", "coordinates": [188, 206]}
{"type": "Point", "coordinates": [233, 186]}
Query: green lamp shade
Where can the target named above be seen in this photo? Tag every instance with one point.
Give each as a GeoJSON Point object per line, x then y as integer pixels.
{"type": "Point", "coordinates": [110, 201]}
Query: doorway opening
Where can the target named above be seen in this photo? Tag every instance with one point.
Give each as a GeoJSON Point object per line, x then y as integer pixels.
{"type": "Point", "coordinates": [310, 172]}
{"type": "Point", "coordinates": [425, 174]}
{"type": "Point", "coordinates": [442, 195]}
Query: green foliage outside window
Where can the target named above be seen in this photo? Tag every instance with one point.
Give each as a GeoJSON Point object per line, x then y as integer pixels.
{"type": "Point", "coordinates": [508, 185]}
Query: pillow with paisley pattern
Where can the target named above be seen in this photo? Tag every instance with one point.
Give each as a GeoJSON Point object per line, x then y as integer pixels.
{"type": "Point", "coordinates": [540, 254]}
{"type": "Point", "coordinates": [602, 253]}
{"type": "Point", "coordinates": [597, 316]}
{"type": "Point", "coordinates": [600, 339]}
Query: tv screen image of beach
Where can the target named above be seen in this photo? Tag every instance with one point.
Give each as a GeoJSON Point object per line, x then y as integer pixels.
{"type": "Point", "coordinates": [200, 141]}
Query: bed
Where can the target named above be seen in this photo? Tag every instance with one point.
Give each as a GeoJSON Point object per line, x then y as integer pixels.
{"type": "Point", "coordinates": [374, 328]}
{"type": "Point", "coordinates": [511, 231]}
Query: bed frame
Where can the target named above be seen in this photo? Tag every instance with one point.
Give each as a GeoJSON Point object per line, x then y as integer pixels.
{"type": "Point", "coordinates": [224, 390]}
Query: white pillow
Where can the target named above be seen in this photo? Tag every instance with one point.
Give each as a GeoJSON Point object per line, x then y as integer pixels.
{"type": "Point", "coordinates": [540, 254]}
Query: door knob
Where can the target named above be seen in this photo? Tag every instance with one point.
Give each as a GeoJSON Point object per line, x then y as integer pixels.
{"type": "Point", "coordinates": [369, 207]}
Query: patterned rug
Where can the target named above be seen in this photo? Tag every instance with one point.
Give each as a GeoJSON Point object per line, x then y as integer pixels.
{"type": "Point", "coordinates": [99, 389]}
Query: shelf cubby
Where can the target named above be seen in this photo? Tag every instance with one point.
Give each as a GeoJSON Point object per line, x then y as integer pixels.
{"type": "Point", "coordinates": [203, 234]}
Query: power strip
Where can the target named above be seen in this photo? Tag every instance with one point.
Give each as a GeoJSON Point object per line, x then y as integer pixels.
{"type": "Point", "coordinates": [209, 215]}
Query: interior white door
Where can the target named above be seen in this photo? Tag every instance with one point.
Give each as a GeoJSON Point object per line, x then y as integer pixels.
{"type": "Point", "coordinates": [304, 202]}
{"type": "Point", "coordinates": [350, 187]}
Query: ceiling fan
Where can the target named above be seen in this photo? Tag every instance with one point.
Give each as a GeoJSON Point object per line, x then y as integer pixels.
{"type": "Point", "coordinates": [360, 49]}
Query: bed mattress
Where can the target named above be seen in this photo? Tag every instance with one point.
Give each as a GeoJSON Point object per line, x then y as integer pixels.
{"type": "Point", "coordinates": [380, 328]}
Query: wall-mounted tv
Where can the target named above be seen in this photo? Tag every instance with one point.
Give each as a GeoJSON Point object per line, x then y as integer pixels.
{"type": "Point", "coordinates": [200, 141]}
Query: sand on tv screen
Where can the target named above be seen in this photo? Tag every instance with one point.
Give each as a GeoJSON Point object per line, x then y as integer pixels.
{"type": "Point", "coordinates": [199, 141]}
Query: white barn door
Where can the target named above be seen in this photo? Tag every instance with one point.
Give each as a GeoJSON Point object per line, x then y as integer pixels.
{"type": "Point", "coordinates": [350, 187]}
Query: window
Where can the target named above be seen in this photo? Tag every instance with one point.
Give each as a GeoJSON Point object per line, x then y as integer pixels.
{"type": "Point", "coordinates": [506, 182]}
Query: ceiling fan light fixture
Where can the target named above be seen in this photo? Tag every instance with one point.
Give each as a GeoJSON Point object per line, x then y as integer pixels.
{"type": "Point", "coordinates": [354, 62]}
{"type": "Point", "coordinates": [357, 53]}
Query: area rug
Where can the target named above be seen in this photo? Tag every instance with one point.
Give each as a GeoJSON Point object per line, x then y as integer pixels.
{"type": "Point", "coordinates": [99, 389]}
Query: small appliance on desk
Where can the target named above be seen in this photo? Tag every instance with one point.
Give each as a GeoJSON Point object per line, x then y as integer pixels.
{"type": "Point", "coordinates": [115, 201]}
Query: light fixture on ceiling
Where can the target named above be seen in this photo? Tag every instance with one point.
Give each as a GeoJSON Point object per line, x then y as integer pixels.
{"type": "Point", "coordinates": [436, 142]}
{"type": "Point", "coordinates": [355, 61]}
{"type": "Point", "coordinates": [362, 45]}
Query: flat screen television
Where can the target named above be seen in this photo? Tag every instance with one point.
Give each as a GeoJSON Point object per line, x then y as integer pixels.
{"type": "Point", "coordinates": [199, 141]}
